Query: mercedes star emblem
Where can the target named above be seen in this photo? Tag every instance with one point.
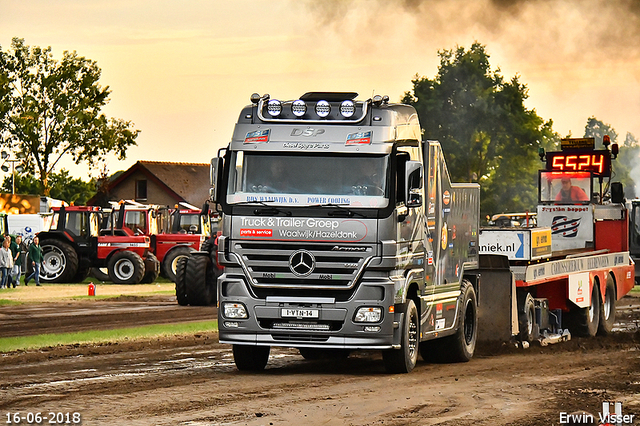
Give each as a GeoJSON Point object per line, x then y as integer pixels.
{"type": "Point", "coordinates": [302, 263]}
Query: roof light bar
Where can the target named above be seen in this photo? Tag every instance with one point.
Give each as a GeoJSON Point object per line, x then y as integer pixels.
{"type": "Point", "coordinates": [274, 107]}
{"type": "Point", "coordinates": [323, 109]}
{"type": "Point", "coordinates": [299, 108]}
{"type": "Point", "coordinates": [347, 108]}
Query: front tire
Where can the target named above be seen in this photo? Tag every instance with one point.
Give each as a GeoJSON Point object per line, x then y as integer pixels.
{"type": "Point", "coordinates": [60, 262]}
{"type": "Point", "coordinates": [151, 269]}
{"type": "Point", "coordinates": [251, 358]}
{"type": "Point", "coordinates": [200, 289]}
{"type": "Point", "coordinates": [527, 320]}
{"type": "Point", "coordinates": [126, 267]}
{"type": "Point", "coordinates": [170, 261]}
{"type": "Point", "coordinates": [403, 360]}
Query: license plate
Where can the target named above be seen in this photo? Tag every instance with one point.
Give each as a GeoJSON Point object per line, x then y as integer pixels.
{"type": "Point", "coordinates": [299, 313]}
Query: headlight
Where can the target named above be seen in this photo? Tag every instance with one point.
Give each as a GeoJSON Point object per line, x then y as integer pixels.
{"type": "Point", "coordinates": [234, 310]}
{"type": "Point", "coordinates": [368, 314]}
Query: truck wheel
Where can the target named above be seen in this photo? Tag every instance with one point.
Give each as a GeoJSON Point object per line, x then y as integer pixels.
{"type": "Point", "coordinates": [181, 286]}
{"type": "Point", "coordinates": [458, 347]}
{"type": "Point", "coordinates": [608, 308]}
{"type": "Point", "coordinates": [527, 320]}
{"type": "Point", "coordinates": [126, 267]}
{"type": "Point", "coordinates": [100, 274]}
{"type": "Point", "coordinates": [200, 290]}
{"type": "Point", "coordinates": [250, 358]}
{"type": "Point", "coordinates": [403, 360]}
{"type": "Point", "coordinates": [170, 262]}
{"type": "Point", "coordinates": [60, 262]}
{"type": "Point", "coordinates": [151, 269]}
{"type": "Point", "coordinates": [584, 321]}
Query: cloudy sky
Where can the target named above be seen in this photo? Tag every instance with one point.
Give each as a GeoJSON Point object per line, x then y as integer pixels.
{"type": "Point", "coordinates": [182, 70]}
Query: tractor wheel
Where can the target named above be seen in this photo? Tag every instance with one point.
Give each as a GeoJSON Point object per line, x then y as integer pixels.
{"type": "Point", "coordinates": [608, 308]}
{"type": "Point", "coordinates": [170, 262]}
{"type": "Point", "coordinates": [100, 274]}
{"type": "Point", "coordinates": [60, 262]}
{"type": "Point", "coordinates": [81, 274]}
{"type": "Point", "coordinates": [181, 286]}
{"type": "Point", "coordinates": [250, 358]}
{"type": "Point", "coordinates": [200, 286]}
{"type": "Point", "coordinates": [126, 267]}
{"type": "Point", "coordinates": [403, 360]}
{"type": "Point", "coordinates": [151, 269]}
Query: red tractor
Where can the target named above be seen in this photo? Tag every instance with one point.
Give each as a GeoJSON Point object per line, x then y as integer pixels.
{"type": "Point", "coordinates": [81, 238]}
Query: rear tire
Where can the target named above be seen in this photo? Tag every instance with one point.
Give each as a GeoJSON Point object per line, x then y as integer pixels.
{"type": "Point", "coordinates": [403, 360]}
{"type": "Point", "coordinates": [170, 261]}
{"type": "Point", "coordinates": [608, 308]}
{"type": "Point", "coordinates": [200, 289]}
{"type": "Point", "coordinates": [527, 320]}
{"type": "Point", "coordinates": [584, 322]}
{"type": "Point", "coordinates": [60, 262]}
{"type": "Point", "coordinates": [101, 274]}
{"type": "Point", "coordinates": [181, 287]}
{"type": "Point", "coordinates": [251, 358]}
{"type": "Point", "coordinates": [126, 267]}
{"type": "Point", "coordinates": [151, 269]}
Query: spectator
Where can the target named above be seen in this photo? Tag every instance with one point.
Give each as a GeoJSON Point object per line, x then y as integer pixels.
{"type": "Point", "coordinates": [35, 254]}
{"type": "Point", "coordinates": [18, 259]}
{"type": "Point", "coordinates": [6, 262]}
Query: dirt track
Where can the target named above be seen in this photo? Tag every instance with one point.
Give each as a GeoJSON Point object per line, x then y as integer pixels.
{"type": "Point", "coordinates": [192, 380]}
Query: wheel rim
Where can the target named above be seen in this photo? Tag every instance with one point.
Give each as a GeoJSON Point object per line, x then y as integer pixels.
{"type": "Point", "coordinates": [607, 305]}
{"type": "Point", "coordinates": [530, 321]}
{"type": "Point", "coordinates": [469, 323]}
{"type": "Point", "coordinates": [54, 262]}
{"type": "Point", "coordinates": [592, 306]}
{"type": "Point", "coordinates": [413, 335]}
{"type": "Point", "coordinates": [174, 263]}
{"type": "Point", "coordinates": [123, 269]}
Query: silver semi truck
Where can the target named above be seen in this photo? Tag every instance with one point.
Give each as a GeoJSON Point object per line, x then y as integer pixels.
{"type": "Point", "coordinates": [341, 231]}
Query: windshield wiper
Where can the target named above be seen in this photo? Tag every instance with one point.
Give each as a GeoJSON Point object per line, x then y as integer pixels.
{"type": "Point", "coordinates": [269, 210]}
{"type": "Point", "coordinates": [342, 209]}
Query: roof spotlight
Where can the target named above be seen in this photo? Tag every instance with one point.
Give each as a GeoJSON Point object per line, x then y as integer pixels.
{"type": "Point", "coordinates": [323, 108]}
{"type": "Point", "coordinates": [299, 108]}
{"type": "Point", "coordinates": [274, 107]}
{"type": "Point", "coordinates": [347, 108]}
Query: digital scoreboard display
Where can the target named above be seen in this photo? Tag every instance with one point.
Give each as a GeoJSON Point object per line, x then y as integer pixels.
{"type": "Point", "coordinates": [598, 162]}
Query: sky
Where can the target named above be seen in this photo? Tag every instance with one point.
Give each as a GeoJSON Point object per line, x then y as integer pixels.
{"type": "Point", "coordinates": [181, 71]}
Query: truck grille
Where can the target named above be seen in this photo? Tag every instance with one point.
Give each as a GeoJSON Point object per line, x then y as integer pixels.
{"type": "Point", "coordinates": [303, 265]}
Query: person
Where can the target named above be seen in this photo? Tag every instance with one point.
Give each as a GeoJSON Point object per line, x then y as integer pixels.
{"type": "Point", "coordinates": [35, 254]}
{"type": "Point", "coordinates": [368, 181]}
{"type": "Point", "coordinates": [18, 258]}
{"type": "Point", "coordinates": [570, 193]}
{"type": "Point", "coordinates": [7, 237]}
{"type": "Point", "coordinates": [6, 262]}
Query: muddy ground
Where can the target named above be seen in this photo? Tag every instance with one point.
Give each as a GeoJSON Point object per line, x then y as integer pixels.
{"type": "Point", "coordinates": [191, 380]}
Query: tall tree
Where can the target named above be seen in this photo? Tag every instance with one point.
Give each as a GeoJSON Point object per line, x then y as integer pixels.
{"type": "Point", "coordinates": [62, 187]}
{"type": "Point", "coordinates": [487, 133]}
{"type": "Point", "coordinates": [51, 109]}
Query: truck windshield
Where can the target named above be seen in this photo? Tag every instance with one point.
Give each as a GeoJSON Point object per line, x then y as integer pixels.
{"type": "Point", "coordinates": [357, 181]}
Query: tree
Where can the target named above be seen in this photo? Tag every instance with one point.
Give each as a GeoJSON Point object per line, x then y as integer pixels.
{"type": "Point", "coordinates": [597, 129]}
{"type": "Point", "coordinates": [51, 109]}
{"type": "Point", "coordinates": [486, 132]}
{"type": "Point", "coordinates": [62, 187]}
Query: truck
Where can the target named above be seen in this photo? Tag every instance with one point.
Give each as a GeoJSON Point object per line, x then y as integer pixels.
{"type": "Point", "coordinates": [572, 268]}
{"type": "Point", "coordinates": [341, 230]}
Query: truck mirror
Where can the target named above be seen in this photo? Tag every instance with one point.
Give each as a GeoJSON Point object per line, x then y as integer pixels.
{"type": "Point", "coordinates": [415, 199]}
{"type": "Point", "coordinates": [214, 171]}
{"type": "Point", "coordinates": [413, 178]}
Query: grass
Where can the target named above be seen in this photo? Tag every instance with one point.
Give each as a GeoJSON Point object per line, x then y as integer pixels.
{"type": "Point", "coordinates": [8, 344]}
{"type": "Point", "coordinates": [66, 292]}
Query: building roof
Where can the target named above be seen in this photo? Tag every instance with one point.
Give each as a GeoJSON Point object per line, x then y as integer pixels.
{"type": "Point", "coordinates": [183, 181]}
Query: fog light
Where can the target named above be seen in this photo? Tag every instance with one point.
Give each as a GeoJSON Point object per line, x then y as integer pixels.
{"type": "Point", "coordinates": [368, 314]}
{"type": "Point", "coordinates": [372, 328]}
{"type": "Point", "coordinates": [229, 324]}
{"type": "Point", "coordinates": [234, 310]}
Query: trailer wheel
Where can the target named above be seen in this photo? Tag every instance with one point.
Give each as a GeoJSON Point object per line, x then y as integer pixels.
{"type": "Point", "coordinates": [403, 360]}
{"type": "Point", "coordinates": [201, 291]}
{"type": "Point", "coordinates": [60, 262]}
{"type": "Point", "coordinates": [251, 358]}
{"type": "Point", "coordinates": [170, 261]}
{"type": "Point", "coordinates": [151, 269]}
{"type": "Point", "coordinates": [608, 308]}
{"type": "Point", "coordinates": [181, 287]}
{"type": "Point", "coordinates": [126, 267]}
{"type": "Point", "coordinates": [584, 321]}
{"type": "Point", "coordinates": [527, 320]}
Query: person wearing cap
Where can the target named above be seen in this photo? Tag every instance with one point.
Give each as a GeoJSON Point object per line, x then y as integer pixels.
{"type": "Point", "coordinates": [569, 193]}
